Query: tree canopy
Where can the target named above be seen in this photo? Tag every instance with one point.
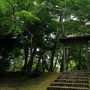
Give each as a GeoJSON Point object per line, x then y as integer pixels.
{"type": "Point", "coordinates": [35, 27]}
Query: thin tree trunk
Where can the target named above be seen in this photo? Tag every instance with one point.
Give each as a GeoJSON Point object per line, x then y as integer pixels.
{"type": "Point", "coordinates": [30, 63]}
{"type": "Point", "coordinates": [55, 63]}
{"type": "Point", "coordinates": [61, 28]}
{"type": "Point", "coordinates": [39, 59]}
{"type": "Point", "coordinates": [43, 66]}
{"type": "Point", "coordinates": [26, 58]}
{"type": "Point", "coordinates": [52, 58]}
{"type": "Point", "coordinates": [61, 66]}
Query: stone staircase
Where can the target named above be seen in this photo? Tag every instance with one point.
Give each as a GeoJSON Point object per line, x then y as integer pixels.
{"type": "Point", "coordinates": [73, 80]}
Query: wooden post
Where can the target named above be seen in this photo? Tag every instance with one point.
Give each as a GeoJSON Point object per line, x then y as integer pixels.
{"type": "Point", "coordinates": [87, 57]}
{"type": "Point", "coordinates": [64, 58]}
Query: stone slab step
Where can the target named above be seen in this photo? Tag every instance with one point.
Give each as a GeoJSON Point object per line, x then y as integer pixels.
{"type": "Point", "coordinates": [72, 77]}
{"type": "Point", "coordinates": [77, 72]}
{"type": "Point", "coordinates": [72, 80]}
{"type": "Point", "coordinates": [82, 75]}
{"type": "Point", "coordinates": [69, 84]}
{"type": "Point", "coordinates": [65, 88]}
{"type": "Point", "coordinates": [87, 73]}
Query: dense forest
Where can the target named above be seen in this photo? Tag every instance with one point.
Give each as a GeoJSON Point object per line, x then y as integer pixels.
{"type": "Point", "coordinates": [30, 31]}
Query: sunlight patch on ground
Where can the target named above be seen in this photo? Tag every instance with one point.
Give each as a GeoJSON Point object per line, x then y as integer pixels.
{"type": "Point", "coordinates": [40, 83]}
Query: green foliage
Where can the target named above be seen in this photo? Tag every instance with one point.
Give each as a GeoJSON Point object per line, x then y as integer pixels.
{"type": "Point", "coordinates": [27, 17]}
{"type": "Point", "coordinates": [3, 7]}
{"type": "Point", "coordinates": [5, 25]}
{"type": "Point", "coordinates": [39, 24]}
{"type": "Point", "coordinates": [9, 27]}
{"type": "Point", "coordinates": [71, 65]}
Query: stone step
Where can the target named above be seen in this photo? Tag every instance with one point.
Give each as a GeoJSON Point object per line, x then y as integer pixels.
{"type": "Point", "coordinates": [69, 84]}
{"type": "Point", "coordinates": [72, 77]}
{"type": "Point", "coordinates": [66, 88]}
{"type": "Point", "coordinates": [72, 80]}
{"type": "Point", "coordinates": [82, 75]}
{"type": "Point", "coordinates": [77, 73]}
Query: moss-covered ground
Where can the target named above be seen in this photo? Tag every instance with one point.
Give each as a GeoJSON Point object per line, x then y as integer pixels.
{"type": "Point", "coordinates": [27, 83]}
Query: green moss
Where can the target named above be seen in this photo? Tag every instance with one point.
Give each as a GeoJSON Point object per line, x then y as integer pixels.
{"type": "Point", "coordinates": [40, 83]}
{"type": "Point", "coordinates": [24, 83]}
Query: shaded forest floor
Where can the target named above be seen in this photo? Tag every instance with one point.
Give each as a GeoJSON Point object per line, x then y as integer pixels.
{"type": "Point", "coordinates": [19, 82]}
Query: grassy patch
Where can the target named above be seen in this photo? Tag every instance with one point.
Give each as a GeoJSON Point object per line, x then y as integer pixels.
{"type": "Point", "coordinates": [40, 83]}
{"type": "Point", "coordinates": [26, 83]}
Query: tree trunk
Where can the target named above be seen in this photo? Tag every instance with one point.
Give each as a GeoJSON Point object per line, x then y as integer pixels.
{"type": "Point", "coordinates": [30, 63]}
{"type": "Point", "coordinates": [43, 66]}
{"type": "Point", "coordinates": [39, 59]}
{"type": "Point", "coordinates": [61, 66]}
{"type": "Point", "coordinates": [52, 58]}
{"type": "Point", "coordinates": [64, 59]}
{"type": "Point", "coordinates": [26, 58]}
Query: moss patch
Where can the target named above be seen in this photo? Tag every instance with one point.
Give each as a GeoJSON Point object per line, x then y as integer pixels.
{"type": "Point", "coordinates": [40, 83]}
{"type": "Point", "coordinates": [26, 83]}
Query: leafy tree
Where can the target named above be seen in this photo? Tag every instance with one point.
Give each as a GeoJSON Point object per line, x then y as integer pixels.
{"type": "Point", "coordinates": [37, 26]}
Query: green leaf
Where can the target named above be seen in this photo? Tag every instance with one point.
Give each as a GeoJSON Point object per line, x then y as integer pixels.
{"type": "Point", "coordinates": [27, 16]}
